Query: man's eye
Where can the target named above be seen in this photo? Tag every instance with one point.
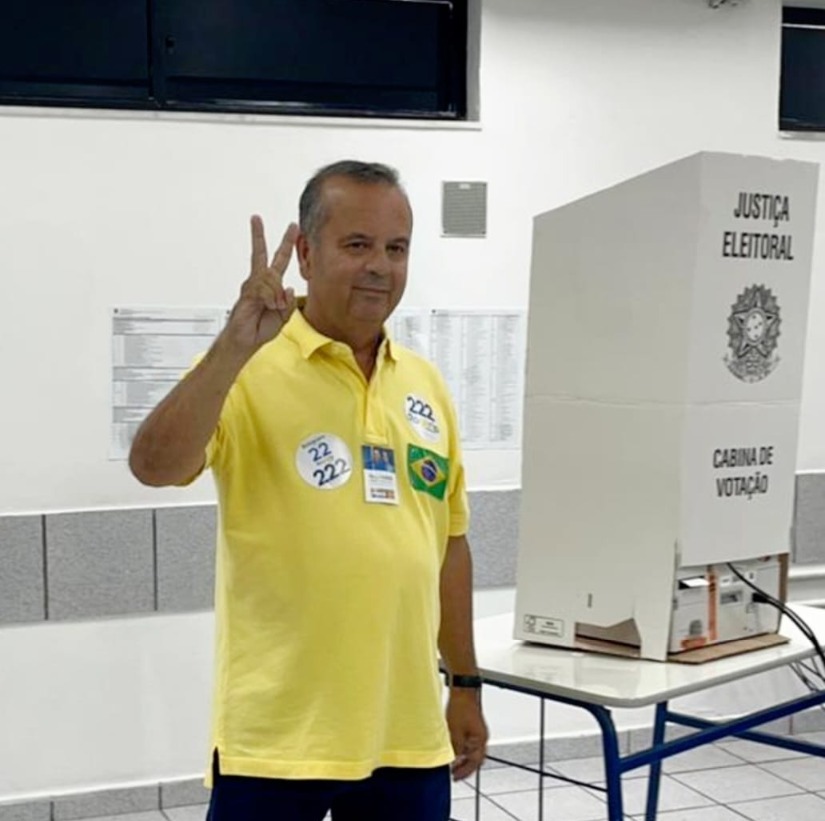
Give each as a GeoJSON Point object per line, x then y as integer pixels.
{"type": "Point", "coordinates": [398, 249]}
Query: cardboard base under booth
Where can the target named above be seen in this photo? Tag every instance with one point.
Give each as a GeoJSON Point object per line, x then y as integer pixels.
{"type": "Point", "coordinates": [623, 639]}
{"type": "Point", "coordinates": [700, 655]}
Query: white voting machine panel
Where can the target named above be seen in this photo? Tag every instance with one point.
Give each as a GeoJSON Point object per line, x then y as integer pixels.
{"type": "Point", "coordinates": [667, 325]}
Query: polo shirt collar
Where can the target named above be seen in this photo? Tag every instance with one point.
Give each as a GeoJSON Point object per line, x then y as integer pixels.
{"type": "Point", "coordinates": [310, 340]}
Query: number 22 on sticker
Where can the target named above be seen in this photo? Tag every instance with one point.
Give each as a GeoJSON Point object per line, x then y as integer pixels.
{"type": "Point", "coordinates": [320, 451]}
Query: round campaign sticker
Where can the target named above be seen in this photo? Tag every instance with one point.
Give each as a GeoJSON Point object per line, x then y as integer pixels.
{"type": "Point", "coordinates": [421, 416]}
{"type": "Point", "coordinates": [324, 461]}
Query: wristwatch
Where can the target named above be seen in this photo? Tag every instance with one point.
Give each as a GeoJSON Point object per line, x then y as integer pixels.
{"type": "Point", "coordinates": [472, 682]}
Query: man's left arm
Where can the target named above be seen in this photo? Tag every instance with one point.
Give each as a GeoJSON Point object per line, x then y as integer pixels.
{"type": "Point", "coordinates": [455, 642]}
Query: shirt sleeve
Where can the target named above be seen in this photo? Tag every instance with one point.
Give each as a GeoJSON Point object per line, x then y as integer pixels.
{"type": "Point", "coordinates": [457, 489]}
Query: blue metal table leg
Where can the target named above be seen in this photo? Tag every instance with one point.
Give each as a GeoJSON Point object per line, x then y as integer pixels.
{"type": "Point", "coordinates": [708, 732]}
{"type": "Point", "coordinates": [541, 759]}
{"type": "Point", "coordinates": [612, 762]}
{"type": "Point", "coordinates": [656, 765]}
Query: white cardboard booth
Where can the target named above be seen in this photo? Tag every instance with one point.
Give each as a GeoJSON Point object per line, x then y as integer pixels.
{"type": "Point", "coordinates": [666, 339]}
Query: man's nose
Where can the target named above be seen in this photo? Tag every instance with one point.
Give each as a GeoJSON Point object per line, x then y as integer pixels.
{"type": "Point", "coordinates": [379, 263]}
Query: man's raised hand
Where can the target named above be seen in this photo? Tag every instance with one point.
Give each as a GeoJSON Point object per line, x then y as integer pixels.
{"type": "Point", "coordinates": [264, 305]}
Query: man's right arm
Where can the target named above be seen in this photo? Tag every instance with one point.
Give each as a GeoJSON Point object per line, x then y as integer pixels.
{"type": "Point", "coordinates": [170, 445]}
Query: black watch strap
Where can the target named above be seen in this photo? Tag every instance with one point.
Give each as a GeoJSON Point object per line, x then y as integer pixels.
{"type": "Point", "coordinates": [473, 682]}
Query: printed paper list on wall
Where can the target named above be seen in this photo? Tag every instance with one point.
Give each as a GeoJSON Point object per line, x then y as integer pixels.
{"type": "Point", "coordinates": [481, 356]}
{"type": "Point", "coordinates": [151, 348]}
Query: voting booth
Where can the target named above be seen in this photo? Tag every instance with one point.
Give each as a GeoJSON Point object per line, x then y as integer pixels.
{"type": "Point", "coordinates": [666, 338]}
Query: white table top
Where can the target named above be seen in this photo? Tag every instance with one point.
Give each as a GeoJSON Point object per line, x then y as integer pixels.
{"type": "Point", "coordinates": [619, 682]}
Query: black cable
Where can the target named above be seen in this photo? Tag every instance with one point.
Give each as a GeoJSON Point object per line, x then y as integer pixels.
{"type": "Point", "coordinates": [813, 687]}
{"type": "Point", "coordinates": [801, 624]}
{"type": "Point", "coordinates": [798, 621]}
{"type": "Point", "coordinates": [813, 670]}
{"type": "Point", "coordinates": [765, 597]}
{"type": "Point", "coordinates": [803, 678]}
{"type": "Point", "coordinates": [804, 628]}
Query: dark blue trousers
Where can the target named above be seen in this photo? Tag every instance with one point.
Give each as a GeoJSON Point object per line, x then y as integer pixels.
{"type": "Point", "coordinates": [389, 794]}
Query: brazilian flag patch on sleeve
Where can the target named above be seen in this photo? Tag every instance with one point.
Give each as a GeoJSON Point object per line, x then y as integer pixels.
{"type": "Point", "coordinates": [428, 471]}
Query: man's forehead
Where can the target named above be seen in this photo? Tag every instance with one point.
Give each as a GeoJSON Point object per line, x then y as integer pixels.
{"type": "Point", "coordinates": [343, 193]}
{"type": "Point", "coordinates": [369, 208]}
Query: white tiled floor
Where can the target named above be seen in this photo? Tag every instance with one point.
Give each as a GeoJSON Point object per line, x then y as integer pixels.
{"type": "Point", "coordinates": [729, 781]}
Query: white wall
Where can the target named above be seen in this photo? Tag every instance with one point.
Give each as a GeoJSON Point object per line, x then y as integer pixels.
{"type": "Point", "coordinates": [99, 211]}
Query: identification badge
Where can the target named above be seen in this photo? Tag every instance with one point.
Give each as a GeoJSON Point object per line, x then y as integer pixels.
{"type": "Point", "coordinates": [380, 483]}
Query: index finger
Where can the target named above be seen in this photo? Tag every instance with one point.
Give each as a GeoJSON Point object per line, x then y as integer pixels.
{"type": "Point", "coordinates": [259, 254]}
{"type": "Point", "coordinates": [281, 257]}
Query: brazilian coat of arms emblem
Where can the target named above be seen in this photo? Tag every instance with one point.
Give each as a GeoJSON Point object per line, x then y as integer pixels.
{"type": "Point", "coordinates": [753, 333]}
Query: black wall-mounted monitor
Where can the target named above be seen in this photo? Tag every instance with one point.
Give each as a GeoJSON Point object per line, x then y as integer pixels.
{"type": "Point", "coordinates": [802, 87]}
{"type": "Point", "coordinates": [361, 57]}
{"type": "Point", "coordinates": [73, 51]}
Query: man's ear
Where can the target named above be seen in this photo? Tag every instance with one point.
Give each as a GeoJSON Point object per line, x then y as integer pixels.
{"type": "Point", "coordinates": [303, 251]}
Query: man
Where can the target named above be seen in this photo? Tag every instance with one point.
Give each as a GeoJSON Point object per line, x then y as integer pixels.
{"type": "Point", "coordinates": [343, 567]}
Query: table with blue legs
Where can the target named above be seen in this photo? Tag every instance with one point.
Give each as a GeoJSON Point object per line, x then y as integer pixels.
{"type": "Point", "coordinates": [600, 683]}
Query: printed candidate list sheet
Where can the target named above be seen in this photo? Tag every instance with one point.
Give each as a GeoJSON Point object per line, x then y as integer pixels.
{"type": "Point", "coordinates": [151, 349]}
{"type": "Point", "coordinates": [481, 356]}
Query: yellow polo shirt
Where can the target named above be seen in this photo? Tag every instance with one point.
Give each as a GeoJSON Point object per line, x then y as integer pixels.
{"type": "Point", "coordinates": [327, 605]}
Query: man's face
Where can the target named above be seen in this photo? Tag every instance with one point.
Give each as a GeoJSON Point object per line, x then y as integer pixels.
{"type": "Point", "coordinates": [356, 266]}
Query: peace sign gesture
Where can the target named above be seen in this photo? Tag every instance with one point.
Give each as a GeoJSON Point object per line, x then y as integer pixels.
{"type": "Point", "coordinates": [264, 305]}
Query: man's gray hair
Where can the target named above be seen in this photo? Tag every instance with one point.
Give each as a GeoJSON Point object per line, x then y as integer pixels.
{"type": "Point", "coordinates": [311, 214]}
